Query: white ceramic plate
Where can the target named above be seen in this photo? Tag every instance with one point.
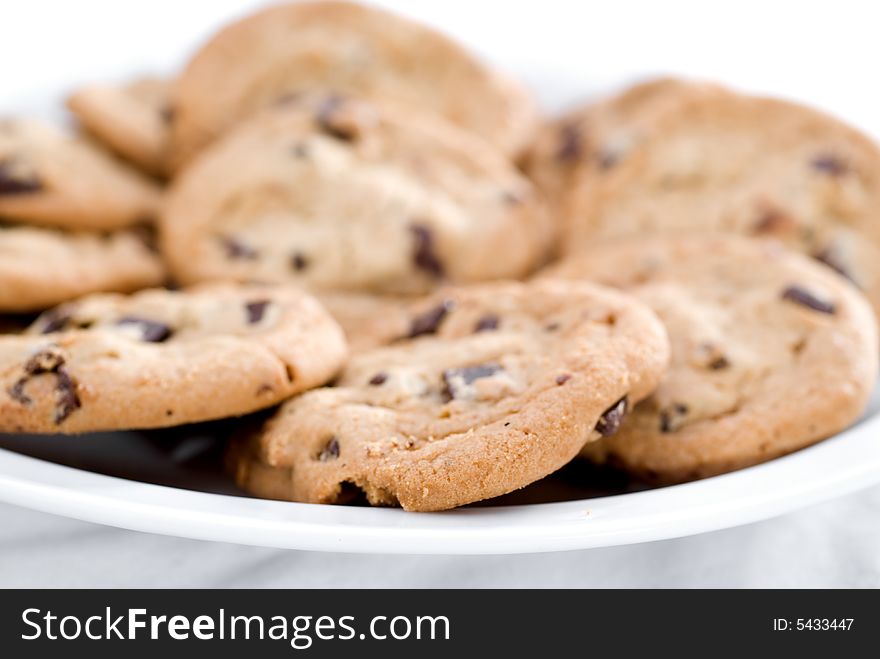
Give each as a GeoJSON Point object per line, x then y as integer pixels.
{"type": "Point", "coordinates": [188, 458]}
{"type": "Point", "coordinates": [171, 482]}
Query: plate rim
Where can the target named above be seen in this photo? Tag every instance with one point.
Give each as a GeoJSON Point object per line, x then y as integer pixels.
{"type": "Point", "coordinates": [842, 464]}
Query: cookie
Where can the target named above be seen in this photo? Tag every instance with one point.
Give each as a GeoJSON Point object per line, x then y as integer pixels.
{"type": "Point", "coordinates": [164, 358]}
{"type": "Point", "coordinates": [353, 49]}
{"type": "Point", "coordinates": [41, 267]}
{"type": "Point", "coordinates": [752, 166]}
{"type": "Point", "coordinates": [334, 193]}
{"type": "Point", "coordinates": [771, 352]}
{"type": "Point", "coordinates": [492, 388]}
{"type": "Point", "coordinates": [132, 119]}
{"type": "Point", "coordinates": [581, 148]}
{"type": "Point", "coordinates": [368, 321]}
{"type": "Point", "coordinates": [54, 179]}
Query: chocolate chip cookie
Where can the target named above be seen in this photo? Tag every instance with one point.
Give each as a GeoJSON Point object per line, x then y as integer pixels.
{"type": "Point", "coordinates": [131, 119]}
{"type": "Point", "coordinates": [368, 321]}
{"type": "Point", "coordinates": [334, 193]}
{"type": "Point", "coordinates": [41, 267]}
{"type": "Point", "coordinates": [54, 179]}
{"type": "Point", "coordinates": [163, 358]}
{"type": "Point", "coordinates": [747, 165]}
{"type": "Point", "coordinates": [771, 352]}
{"type": "Point", "coordinates": [491, 388]}
{"type": "Point", "coordinates": [581, 148]}
{"type": "Point", "coordinates": [358, 50]}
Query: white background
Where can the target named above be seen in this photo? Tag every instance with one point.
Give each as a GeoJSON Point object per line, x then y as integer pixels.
{"type": "Point", "coordinates": [824, 53]}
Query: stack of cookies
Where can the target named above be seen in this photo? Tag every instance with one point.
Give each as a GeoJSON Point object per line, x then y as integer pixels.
{"type": "Point", "coordinates": [433, 296]}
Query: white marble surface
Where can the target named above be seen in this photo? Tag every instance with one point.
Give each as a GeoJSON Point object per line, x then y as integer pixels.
{"type": "Point", "coordinates": [836, 544]}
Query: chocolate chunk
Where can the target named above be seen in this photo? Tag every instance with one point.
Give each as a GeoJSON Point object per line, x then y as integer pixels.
{"type": "Point", "coordinates": [330, 450]}
{"type": "Point", "coordinates": [235, 249]}
{"type": "Point", "coordinates": [669, 418]}
{"type": "Point", "coordinates": [611, 418]}
{"type": "Point", "coordinates": [429, 322]}
{"type": "Point", "coordinates": [719, 363]}
{"type": "Point", "coordinates": [67, 400]}
{"type": "Point", "coordinates": [328, 119]}
{"type": "Point", "coordinates": [166, 114]}
{"type": "Point", "coordinates": [15, 179]}
{"type": "Point", "coordinates": [424, 256]}
{"type": "Point", "coordinates": [829, 257]}
{"type": "Point", "coordinates": [562, 379]}
{"type": "Point", "coordinates": [378, 379]}
{"type": "Point", "coordinates": [55, 319]}
{"type": "Point", "coordinates": [147, 234]}
{"type": "Point", "coordinates": [151, 330]}
{"type": "Point", "coordinates": [45, 361]}
{"type": "Point", "coordinates": [487, 323]}
{"type": "Point", "coordinates": [828, 163]}
{"type": "Point", "coordinates": [255, 310]}
{"type": "Point", "coordinates": [50, 360]}
{"type": "Point", "coordinates": [16, 392]}
{"type": "Point", "coordinates": [455, 379]}
{"type": "Point", "coordinates": [570, 143]}
{"type": "Point", "coordinates": [299, 261]}
{"type": "Point", "coordinates": [773, 221]}
{"type": "Point", "coordinates": [802, 296]}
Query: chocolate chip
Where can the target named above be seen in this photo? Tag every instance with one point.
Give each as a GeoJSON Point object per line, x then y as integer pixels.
{"type": "Point", "coordinates": [16, 392]}
{"type": "Point", "coordinates": [570, 143]}
{"type": "Point", "coordinates": [255, 310]}
{"type": "Point", "coordinates": [830, 258]}
{"type": "Point", "coordinates": [235, 249]}
{"type": "Point", "coordinates": [16, 180]}
{"type": "Point", "coordinates": [669, 418]}
{"type": "Point", "coordinates": [487, 323]}
{"type": "Point", "coordinates": [166, 113]}
{"type": "Point", "coordinates": [562, 379]}
{"type": "Point", "coordinates": [455, 379]}
{"type": "Point", "coordinates": [719, 363]}
{"type": "Point", "coordinates": [611, 418]}
{"type": "Point", "coordinates": [802, 296]}
{"type": "Point", "coordinates": [67, 400]}
{"type": "Point", "coordinates": [830, 164]}
{"type": "Point", "coordinates": [147, 234]}
{"type": "Point", "coordinates": [299, 261]}
{"type": "Point", "coordinates": [55, 319]}
{"type": "Point", "coordinates": [773, 221]}
{"type": "Point", "coordinates": [151, 330]}
{"type": "Point", "coordinates": [45, 361]}
{"type": "Point", "coordinates": [378, 379]}
{"type": "Point", "coordinates": [50, 360]}
{"type": "Point", "coordinates": [330, 450]}
{"type": "Point", "coordinates": [327, 119]}
{"type": "Point", "coordinates": [429, 322]}
{"type": "Point", "coordinates": [424, 256]}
